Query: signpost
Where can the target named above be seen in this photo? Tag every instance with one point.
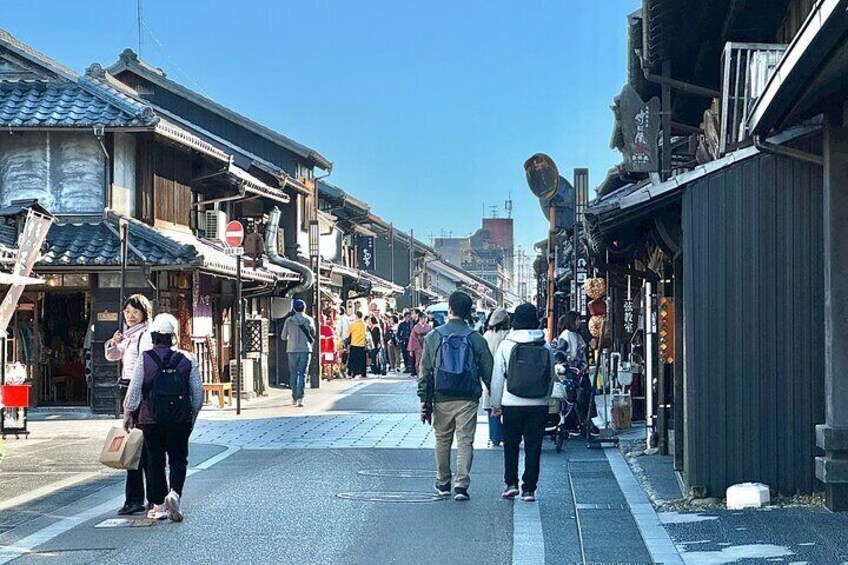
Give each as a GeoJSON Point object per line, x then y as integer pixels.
{"type": "Point", "coordinates": [234, 236]}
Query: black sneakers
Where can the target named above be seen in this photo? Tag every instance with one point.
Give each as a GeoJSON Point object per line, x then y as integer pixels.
{"type": "Point", "coordinates": [510, 492]}
{"type": "Point", "coordinates": [461, 493]}
{"type": "Point", "coordinates": [443, 490]}
{"type": "Point", "coordinates": [130, 509]}
{"type": "Point", "coordinates": [529, 496]}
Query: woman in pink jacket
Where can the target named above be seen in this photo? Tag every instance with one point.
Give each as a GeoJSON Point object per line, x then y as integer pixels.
{"type": "Point", "coordinates": [416, 339]}
{"type": "Point", "coordinates": [127, 348]}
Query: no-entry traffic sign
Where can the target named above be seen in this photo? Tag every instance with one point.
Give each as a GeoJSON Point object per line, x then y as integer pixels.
{"type": "Point", "coordinates": [234, 235]}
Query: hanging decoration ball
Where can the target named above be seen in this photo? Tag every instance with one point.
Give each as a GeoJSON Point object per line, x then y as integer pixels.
{"type": "Point", "coordinates": [598, 307]}
{"type": "Point", "coordinates": [595, 287]}
{"type": "Point", "coordinates": [596, 325]}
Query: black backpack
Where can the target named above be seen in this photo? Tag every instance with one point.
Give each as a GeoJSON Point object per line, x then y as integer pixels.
{"type": "Point", "coordinates": [169, 397]}
{"type": "Point", "coordinates": [529, 370]}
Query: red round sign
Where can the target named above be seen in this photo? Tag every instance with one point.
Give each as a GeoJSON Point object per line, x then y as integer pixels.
{"type": "Point", "coordinates": [234, 234]}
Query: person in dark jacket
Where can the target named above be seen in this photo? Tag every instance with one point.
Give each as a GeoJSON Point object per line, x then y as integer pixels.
{"type": "Point", "coordinates": [163, 437]}
{"type": "Point", "coordinates": [403, 332]}
{"type": "Point", "coordinates": [453, 415]}
{"type": "Point", "coordinates": [376, 353]}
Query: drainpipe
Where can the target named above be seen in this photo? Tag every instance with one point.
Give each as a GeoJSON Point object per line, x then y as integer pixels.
{"type": "Point", "coordinates": [307, 278]}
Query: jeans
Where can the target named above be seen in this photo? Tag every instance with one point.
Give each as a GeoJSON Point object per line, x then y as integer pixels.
{"type": "Point", "coordinates": [162, 439]}
{"type": "Point", "coordinates": [495, 434]}
{"type": "Point", "coordinates": [527, 422]}
{"type": "Point", "coordinates": [298, 364]}
{"type": "Point", "coordinates": [454, 417]}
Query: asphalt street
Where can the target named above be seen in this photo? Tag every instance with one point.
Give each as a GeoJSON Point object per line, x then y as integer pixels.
{"type": "Point", "coordinates": [351, 484]}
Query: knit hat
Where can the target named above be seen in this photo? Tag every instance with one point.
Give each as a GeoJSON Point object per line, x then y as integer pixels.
{"type": "Point", "coordinates": [164, 324]}
{"type": "Point", "coordinates": [525, 317]}
{"type": "Point", "coordinates": [498, 317]}
{"type": "Point", "coordinates": [298, 305]}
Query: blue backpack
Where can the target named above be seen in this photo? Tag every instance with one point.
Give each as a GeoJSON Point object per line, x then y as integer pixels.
{"type": "Point", "coordinates": [456, 367]}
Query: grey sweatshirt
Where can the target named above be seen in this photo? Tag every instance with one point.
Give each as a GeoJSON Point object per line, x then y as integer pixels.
{"type": "Point", "coordinates": [296, 337]}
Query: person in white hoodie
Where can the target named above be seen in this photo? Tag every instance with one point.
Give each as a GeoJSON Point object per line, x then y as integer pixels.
{"type": "Point", "coordinates": [522, 378]}
{"type": "Point", "coordinates": [497, 328]}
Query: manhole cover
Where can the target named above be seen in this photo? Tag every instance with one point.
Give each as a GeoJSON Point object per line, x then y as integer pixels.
{"type": "Point", "coordinates": [398, 473]}
{"type": "Point", "coordinates": [407, 497]}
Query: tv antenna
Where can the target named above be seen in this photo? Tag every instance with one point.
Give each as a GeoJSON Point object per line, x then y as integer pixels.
{"type": "Point", "coordinates": [508, 205]}
{"type": "Point", "coordinates": [494, 211]}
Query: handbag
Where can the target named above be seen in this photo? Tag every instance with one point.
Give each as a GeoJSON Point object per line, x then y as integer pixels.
{"type": "Point", "coordinates": [122, 449]}
{"type": "Point", "coordinates": [559, 390]}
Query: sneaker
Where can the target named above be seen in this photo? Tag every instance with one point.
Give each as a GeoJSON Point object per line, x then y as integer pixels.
{"type": "Point", "coordinates": [172, 505]}
{"type": "Point", "coordinates": [130, 509]}
{"type": "Point", "coordinates": [529, 496]}
{"type": "Point", "coordinates": [300, 403]}
{"type": "Point", "coordinates": [443, 490]}
{"type": "Point", "coordinates": [510, 492]}
{"type": "Point", "coordinates": [158, 512]}
{"type": "Point", "coordinates": [461, 493]}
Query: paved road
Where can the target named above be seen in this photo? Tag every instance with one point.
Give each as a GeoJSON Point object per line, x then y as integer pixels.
{"type": "Point", "coordinates": [349, 485]}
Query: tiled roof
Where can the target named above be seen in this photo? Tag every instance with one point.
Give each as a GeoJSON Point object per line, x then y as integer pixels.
{"type": "Point", "coordinates": [59, 104]}
{"type": "Point", "coordinates": [97, 245]}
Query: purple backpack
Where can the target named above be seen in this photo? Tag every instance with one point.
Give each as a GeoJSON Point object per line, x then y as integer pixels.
{"type": "Point", "coordinates": [456, 368]}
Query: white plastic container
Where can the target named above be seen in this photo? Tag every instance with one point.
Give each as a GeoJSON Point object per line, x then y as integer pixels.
{"type": "Point", "coordinates": [747, 495]}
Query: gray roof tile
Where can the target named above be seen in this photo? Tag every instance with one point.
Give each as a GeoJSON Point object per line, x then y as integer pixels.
{"type": "Point", "coordinates": [59, 104]}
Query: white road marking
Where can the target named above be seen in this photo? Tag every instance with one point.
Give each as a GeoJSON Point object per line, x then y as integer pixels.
{"type": "Point", "coordinates": [45, 490]}
{"type": "Point", "coordinates": [29, 543]}
{"type": "Point", "coordinates": [528, 541]}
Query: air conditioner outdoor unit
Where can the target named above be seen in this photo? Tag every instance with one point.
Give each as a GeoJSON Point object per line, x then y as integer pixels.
{"type": "Point", "coordinates": [214, 224]}
{"type": "Point", "coordinates": [247, 377]}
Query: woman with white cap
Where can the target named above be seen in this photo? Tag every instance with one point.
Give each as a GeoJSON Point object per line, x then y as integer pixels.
{"type": "Point", "coordinates": [497, 327]}
{"type": "Point", "coordinates": [167, 391]}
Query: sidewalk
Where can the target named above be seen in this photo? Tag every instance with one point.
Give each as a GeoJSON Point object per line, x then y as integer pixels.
{"type": "Point", "coordinates": [798, 530]}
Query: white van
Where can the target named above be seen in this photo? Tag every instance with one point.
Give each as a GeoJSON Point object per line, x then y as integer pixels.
{"type": "Point", "coordinates": [440, 314]}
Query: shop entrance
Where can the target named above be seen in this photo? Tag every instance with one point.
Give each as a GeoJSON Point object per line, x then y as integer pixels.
{"type": "Point", "coordinates": [62, 367]}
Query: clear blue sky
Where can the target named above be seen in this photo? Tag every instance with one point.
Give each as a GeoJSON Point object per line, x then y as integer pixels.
{"type": "Point", "coordinates": [427, 109]}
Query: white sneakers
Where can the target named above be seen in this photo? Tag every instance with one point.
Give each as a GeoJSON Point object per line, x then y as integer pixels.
{"type": "Point", "coordinates": [158, 512]}
{"type": "Point", "coordinates": [172, 505]}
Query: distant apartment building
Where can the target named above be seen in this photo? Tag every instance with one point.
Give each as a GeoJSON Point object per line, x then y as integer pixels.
{"type": "Point", "coordinates": [487, 254]}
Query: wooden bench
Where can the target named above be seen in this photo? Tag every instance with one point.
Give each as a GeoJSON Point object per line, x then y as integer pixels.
{"type": "Point", "coordinates": [220, 389]}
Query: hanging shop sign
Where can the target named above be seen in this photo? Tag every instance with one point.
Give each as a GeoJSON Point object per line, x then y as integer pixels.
{"type": "Point", "coordinates": [666, 308]}
{"type": "Point", "coordinates": [31, 240]}
{"type": "Point", "coordinates": [365, 253]}
{"type": "Point", "coordinates": [639, 127]}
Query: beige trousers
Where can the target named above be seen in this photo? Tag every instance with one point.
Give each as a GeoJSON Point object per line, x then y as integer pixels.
{"type": "Point", "coordinates": [454, 417]}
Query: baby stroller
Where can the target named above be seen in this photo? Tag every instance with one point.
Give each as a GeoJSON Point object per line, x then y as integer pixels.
{"type": "Point", "coordinates": [571, 394]}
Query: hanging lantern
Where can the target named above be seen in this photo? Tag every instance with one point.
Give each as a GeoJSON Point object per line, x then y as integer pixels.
{"type": "Point", "coordinates": [598, 307]}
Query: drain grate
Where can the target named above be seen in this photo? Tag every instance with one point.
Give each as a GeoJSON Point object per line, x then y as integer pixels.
{"type": "Point", "coordinates": [393, 497]}
{"type": "Point", "coordinates": [398, 473]}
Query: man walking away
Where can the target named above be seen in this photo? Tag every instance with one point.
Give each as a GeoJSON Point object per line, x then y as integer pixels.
{"type": "Point", "coordinates": [521, 387]}
{"type": "Point", "coordinates": [454, 361]}
{"type": "Point", "coordinates": [299, 333]}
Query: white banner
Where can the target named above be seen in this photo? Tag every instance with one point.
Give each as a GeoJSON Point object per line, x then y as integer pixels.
{"type": "Point", "coordinates": [31, 240]}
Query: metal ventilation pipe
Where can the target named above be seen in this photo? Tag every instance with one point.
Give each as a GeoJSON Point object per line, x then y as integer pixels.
{"type": "Point", "coordinates": [307, 277]}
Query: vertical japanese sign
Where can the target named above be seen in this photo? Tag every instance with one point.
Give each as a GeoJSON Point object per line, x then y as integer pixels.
{"type": "Point", "coordinates": [33, 236]}
{"type": "Point", "coordinates": [637, 130]}
{"type": "Point", "coordinates": [365, 253]}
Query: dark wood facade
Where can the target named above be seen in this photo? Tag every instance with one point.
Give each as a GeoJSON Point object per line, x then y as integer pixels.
{"type": "Point", "coordinates": [753, 337]}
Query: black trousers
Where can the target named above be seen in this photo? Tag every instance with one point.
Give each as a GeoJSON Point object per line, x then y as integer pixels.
{"type": "Point", "coordinates": [356, 362]}
{"type": "Point", "coordinates": [162, 439]}
{"type": "Point", "coordinates": [526, 422]}
{"type": "Point", "coordinates": [407, 363]}
{"type": "Point", "coordinates": [376, 361]}
{"type": "Point", "coordinates": [134, 492]}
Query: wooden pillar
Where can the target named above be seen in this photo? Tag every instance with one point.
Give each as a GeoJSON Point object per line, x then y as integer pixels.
{"type": "Point", "coordinates": [677, 402]}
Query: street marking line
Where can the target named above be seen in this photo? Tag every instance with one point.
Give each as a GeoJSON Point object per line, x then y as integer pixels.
{"type": "Point", "coordinates": [661, 548]}
{"type": "Point", "coordinates": [45, 490]}
{"type": "Point", "coordinates": [577, 518]}
{"type": "Point", "coordinates": [528, 541]}
{"type": "Point", "coordinates": [27, 544]}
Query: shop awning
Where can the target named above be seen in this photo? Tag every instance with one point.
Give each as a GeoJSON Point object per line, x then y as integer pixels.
{"type": "Point", "coordinates": [382, 286]}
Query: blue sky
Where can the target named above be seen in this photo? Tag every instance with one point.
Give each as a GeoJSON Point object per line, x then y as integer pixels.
{"type": "Point", "coordinates": [427, 109]}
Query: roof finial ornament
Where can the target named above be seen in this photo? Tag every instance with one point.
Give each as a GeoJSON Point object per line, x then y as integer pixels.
{"type": "Point", "coordinates": [128, 56]}
{"type": "Point", "coordinates": [95, 71]}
